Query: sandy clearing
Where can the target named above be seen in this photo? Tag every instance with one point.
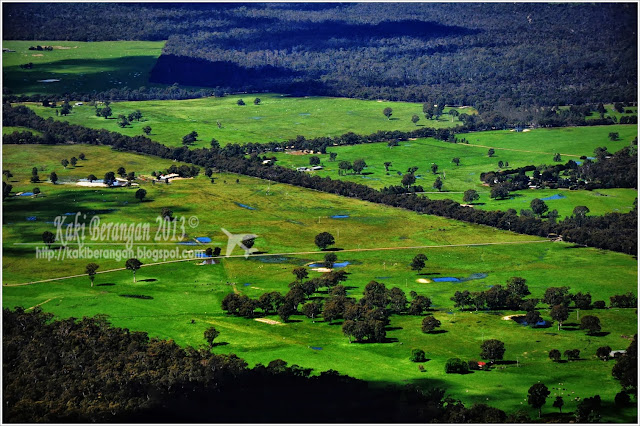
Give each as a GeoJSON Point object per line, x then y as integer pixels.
{"type": "Point", "coordinates": [508, 317]}
{"type": "Point", "coordinates": [269, 321]}
{"type": "Point", "coordinates": [321, 269]}
{"type": "Point", "coordinates": [423, 281]}
{"type": "Point", "coordinates": [38, 54]}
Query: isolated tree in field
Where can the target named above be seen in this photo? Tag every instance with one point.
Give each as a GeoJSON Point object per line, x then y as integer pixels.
{"type": "Point", "coordinates": [166, 214]}
{"type": "Point", "coordinates": [387, 164]}
{"type": "Point", "coordinates": [106, 112]}
{"type": "Point", "coordinates": [393, 143]}
{"type": "Point", "coordinates": [415, 119]}
{"type": "Point", "coordinates": [210, 335]}
{"type": "Point", "coordinates": [408, 180]}
{"type": "Point", "coordinates": [603, 352]}
{"type": "Point", "coordinates": [240, 102]}
{"type": "Point", "coordinates": [572, 354]}
{"type": "Point", "coordinates": [324, 240]}
{"type": "Point", "coordinates": [344, 166]}
{"type": "Point", "coordinates": [491, 152]}
{"type": "Point", "coordinates": [332, 156]}
{"type": "Point", "coordinates": [456, 161]}
{"type": "Point", "coordinates": [537, 397]}
{"type": "Point", "coordinates": [190, 138]}
{"type": "Point", "coordinates": [359, 165]}
{"type": "Point", "coordinates": [614, 136]}
{"type": "Point", "coordinates": [314, 161]}
{"type": "Point", "coordinates": [312, 310]}
{"type": "Point", "coordinates": [591, 323]}
{"type": "Point", "coordinates": [559, 313]}
{"type": "Point", "coordinates": [301, 273]}
{"type": "Point", "coordinates": [429, 323]}
{"type": "Point", "coordinates": [500, 164]}
{"type": "Point", "coordinates": [492, 350]}
{"type": "Point", "coordinates": [437, 184]}
{"type": "Point", "coordinates": [555, 355]}
{"type": "Point", "coordinates": [140, 194]}
{"type": "Point", "coordinates": [387, 112]}
{"type": "Point", "coordinates": [123, 121]}
{"type": "Point", "coordinates": [146, 130]}
{"type": "Point", "coordinates": [90, 270]}
{"type": "Point", "coordinates": [456, 366]}
{"type": "Point", "coordinates": [133, 264]}
{"type": "Point", "coordinates": [538, 206]}
{"type": "Point", "coordinates": [91, 178]}
{"type": "Point", "coordinates": [558, 403]}
{"type": "Point", "coordinates": [73, 161]}
{"type": "Point", "coordinates": [470, 195]}
{"type": "Point", "coordinates": [121, 171]}
{"type": "Point", "coordinates": [82, 156]}
{"type": "Point", "coordinates": [48, 238]}
{"type": "Point", "coordinates": [65, 109]}
{"type": "Point", "coordinates": [330, 259]}
{"type": "Point", "coordinates": [434, 168]}
{"type": "Point", "coordinates": [131, 176]}
{"type": "Point", "coordinates": [557, 157]}
{"type": "Point", "coordinates": [500, 191]}
{"type": "Point", "coordinates": [418, 262]}
{"type": "Point", "coordinates": [453, 113]}
{"type": "Point", "coordinates": [64, 162]}
{"type": "Point", "coordinates": [53, 177]}
{"type": "Point", "coordinates": [256, 101]}
{"type": "Point", "coordinates": [109, 178]}
{"type": "Point", "coordinates": [418, 355]}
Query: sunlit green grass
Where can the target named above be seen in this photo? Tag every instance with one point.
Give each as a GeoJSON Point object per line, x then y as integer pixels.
{"type": "Point", "coordinates": [276, 118]}
{"type": "Point", "coordinates": [81, 67]}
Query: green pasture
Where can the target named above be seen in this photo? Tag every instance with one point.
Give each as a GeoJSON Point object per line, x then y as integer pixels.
{"type": "Point", "coordinates": [286, 219]}
{"type": "Point", "coordinates": [81, 67]}
{"type": "Point", "coordinates": [7, 130]}
{"type": "Point", "coordinates": [276, 118]}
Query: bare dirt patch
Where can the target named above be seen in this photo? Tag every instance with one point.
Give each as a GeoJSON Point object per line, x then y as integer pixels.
{"type": "Point", "coordinates": [61, 47]}
{"type": "Point", "coordinates": [423, 281]}
{"type": "Point", "coordinates": [269, 321]}
{"type": "Point", "coordinates": [38, 54]}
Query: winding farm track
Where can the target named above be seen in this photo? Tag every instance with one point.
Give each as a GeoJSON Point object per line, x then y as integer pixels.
{"type": "Point", "coordinates": [291, 254]}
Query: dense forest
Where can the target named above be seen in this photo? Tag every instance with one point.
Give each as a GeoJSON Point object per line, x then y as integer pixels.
{"type": "Point", "coordinates": [613, 231]}
{"type": "Point", "coordinates": [493, 56]}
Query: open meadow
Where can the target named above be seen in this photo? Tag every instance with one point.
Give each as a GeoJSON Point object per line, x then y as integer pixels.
{"type": "Point", "coordinates": [78, 67]}
{"type": "Point", "coordinates": [276, 118]}
{"type": "Point", "coordinates": [182, 299]}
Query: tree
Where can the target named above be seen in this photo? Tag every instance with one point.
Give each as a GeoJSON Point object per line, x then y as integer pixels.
{"type": "Point", "coordinates": [500, 191]}
{"type": "Point", "coordinates": [580, 212]}
{"type": "Point", "coordinates": [314, 161]}
{"type": "Point", "coordinates": [418, 305]}
{"type": "Point", "coordinates": [538, 206]}
{"type": "Point", "coordinates": [434, 168]}
{"type": "Point", "coordinates": [456, 161]}
{"type": "Point", "coordinates": [557, 157]}
{"type": "Point", "coordinates": [453, 113]}
{"type": "Point", "coordinates": [491, 152]}
{"type": "Point", "coordinates": [397, 300]}
{"type": "Point", "coordinates": [91, 178]}
{"type": "Point", "coordinates": [387, 112]}
{"type": "Point", "coordinates": [330, 259]}
{"type": "Point", "coordinates": [359, 165]}
{"type": "Point", "coordinates": [572, 354]}
{"type": "Point", "coordinates": [332, 156]}
{"type": "Point", "coordinates": [109, 178]}
{"type": "Point", "coordinates": [537, 397]}
{"type": "Point", "coordinates": [557, 296]}
{"type": "Point", "coordinates": [626, 368]}
{"type": "Point", "coordinates": [240, 102]}
{"type": "Point", "coordinates": [418, 355]}
{"type": "Point", "coordinates": [456, 366]}
{"type": "Point", "coordinates": [614, 136]}
{"type": "Point", "coordinates": [582, 300]}
{"type": "Point", "coordinates": [53, 177]}
{"type": "Point", "coordinates": [387, 164]}
{"type": "Point", "coordinates": [558, 403]}
{"type": "Point", "coordinates": [470, 195]}
{"type": "Point", "coordinates": [285, 310]}
{"type": "Point", "coordinates": [555, 355]}
{"type": "Point", "coordinates": [408, 180]}
{"type": "Point", "coordinates": [532, 318]}
{"type": "Point", "coordinates": [121, 171]}
{"type": "Point", "coordinates": [147, 130]}
{"type": "Point", "coordinates": [48, 238]}
{"type": "Point", "coordinates": [82, 156]}
{"type": "Point", "coordinates": [73, 161]}
{"type": "Point", "coordinates": [140, 194]}
{"type": "Point", "coordinates": [105, 112]}
{"type": "Point", "coordinates": [344, 166]}
{"type": "Point", "coordinates": [166, 214]}
{"type": "Point", "coordinates": [90, 270]}
{"type": "Point", "coordinates": [553, 215]}
{"type": "Point", "coordinates": [36, 191]}
{"type": "Point", "coordinates": [210, 334]}
{"type": "Point", "coordinates": [301, 273]}
{"type": "Point", "coordinates": [64, 162]}
{"type": "Point", "coordinates": [518, 286]}
{"type": "Point", "coordinates": [591, 323]}
{"type": "Point", "coordinates": [492, 350]}
{"type": "Point", "coordinates": [559, 313]}
{"type": "Point", "coordinates": [603, 352]}
{"type": "Point", "coordinates": [190, 138]}
{"type": "Point", "coordinates": [65, 109]}
{"type": "Point", "coordinates": [123, 121]}
{"type": "Point", "coordinates": [437, 184]}
{"type": "Point", "coordinates": [418, 262]}
{"type": "Point", "coordinates": [324, 240]}
{"type": "Point", "coordinates": [429, 323]}
{"type": "Point", "coordinates": [133, 264]}
{"type": "Point", "coordinates": [256, 101]}
{"type": "Point", "coordinates": [375, 295]}
{"type": "Point", "coordinates": [311, 310]}
{"type": "Point", "coordinates": [415, 119]}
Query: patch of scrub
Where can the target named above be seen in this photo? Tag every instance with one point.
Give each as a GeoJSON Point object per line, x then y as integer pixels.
{"type": "Point", "coordinates": [203, 239]}
{"type": "Point", "coordinates": [339, 216]}
{"type": "Point", "coordinates": [554, 197]}
{"type": "Point", "coordinates": [244, 206]}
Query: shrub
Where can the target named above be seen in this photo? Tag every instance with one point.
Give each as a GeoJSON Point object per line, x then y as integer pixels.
{"type": "Point", "coordinates": [456, 365]}
{"type": "Point", "coordinates": [418, 355]}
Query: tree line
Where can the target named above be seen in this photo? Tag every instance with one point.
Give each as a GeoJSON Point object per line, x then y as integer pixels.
{"type": "Point", "coordinates": [613, 231]}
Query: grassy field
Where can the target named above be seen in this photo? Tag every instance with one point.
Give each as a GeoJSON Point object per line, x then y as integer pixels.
{"type": "Point", "coordinates": [286, 219]}
{"type": "Point", "coordinates": [7, 130]}
{"type": "Point", "coordinates": [518, 149]}
{"type": "Point", "coordinates": [81, 67]}
{"type": "Point", "coordinates": [276, 118]}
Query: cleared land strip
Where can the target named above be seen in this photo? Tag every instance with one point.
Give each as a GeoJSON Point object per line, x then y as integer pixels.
{"type": "Point", "coordinates": [516, 150]}
{"type": "Point", "coordinates": [289, 254]}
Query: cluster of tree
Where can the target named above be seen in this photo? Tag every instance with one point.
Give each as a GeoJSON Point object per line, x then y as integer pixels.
{"type": "Point", "coordinates": [619, 170]}
{"type": "Point", "coordinates": [628, 300]}
{"type": "Point", "coordinates": [88, 371]}
{"type": "Point", "coordinates": [41, 48]}
{"type": "Point", "coordinates": [497, 297]}
{"type": "Point", "coordinates": [613, 231]}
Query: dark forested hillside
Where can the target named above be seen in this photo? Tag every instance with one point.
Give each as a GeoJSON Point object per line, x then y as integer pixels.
{"type": "Point", "coordinates": [494, 56]}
